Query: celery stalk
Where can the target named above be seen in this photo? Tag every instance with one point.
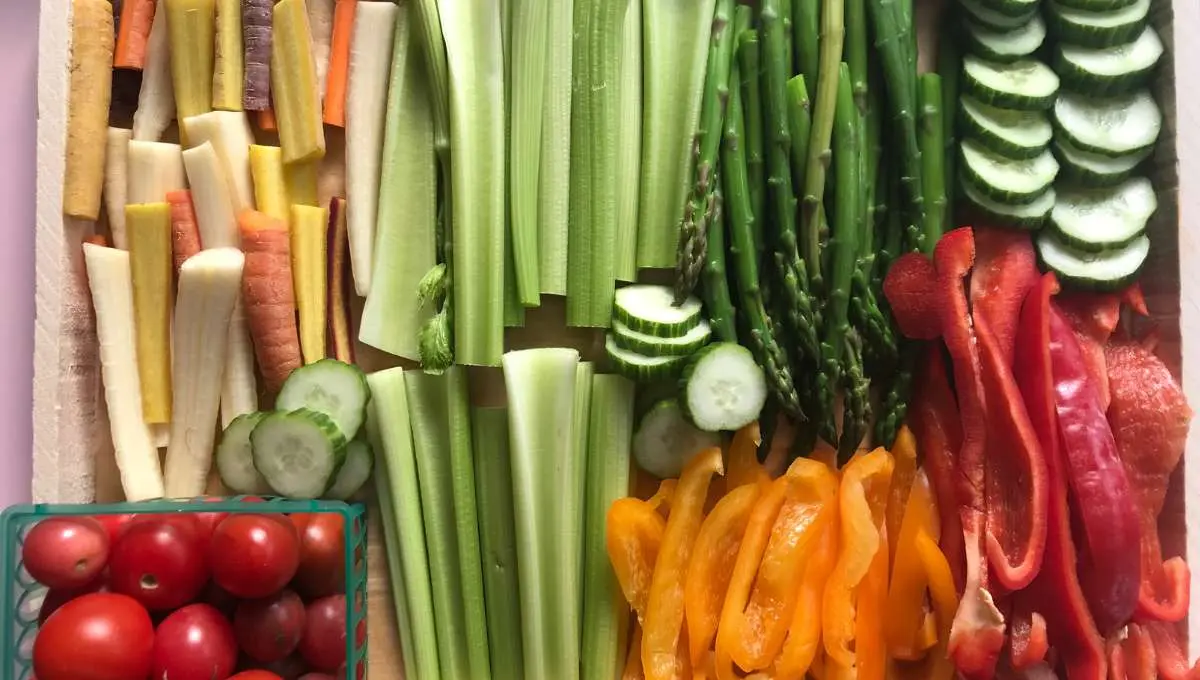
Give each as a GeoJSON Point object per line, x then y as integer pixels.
{"type": "Point", "coordinates": [605, 614]}
{"type": "Point", "coordinates": [494, 492]}
{"type": "Point", "coordinates": [391, 544]}
{"type": "Point", "coordinates": [405, 230]}
{"type": "Point", "coordinates": [554, 177]}
{"type": "Point", "coordinates": [629, 141]}
{"type": "Point", "coordinates": [438, 409]}
{"type": "Point", "coordinates": [388, 416]}
{"type": "Point", "coordinates": [514, 311]}
{"type": "Point", "coordinates": [540, 384]}
{"type": "Point", "coordinates": [675, 36]}
{"type": "Point", "coordinates": [528, 80]}
{"type": "Point", "coordinates": [475, 57]}
{"type": "Point", "coordinates": [569, 559]}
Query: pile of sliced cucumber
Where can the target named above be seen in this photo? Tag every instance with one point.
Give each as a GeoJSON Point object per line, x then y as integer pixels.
{"type": "Point", "coordinates": [651, 337]}
{"type": "Point", "coordinates": [307, 447]}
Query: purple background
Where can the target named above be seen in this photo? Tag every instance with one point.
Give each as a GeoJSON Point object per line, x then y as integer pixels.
{"type": "Point", "coordinates": [18, 130]}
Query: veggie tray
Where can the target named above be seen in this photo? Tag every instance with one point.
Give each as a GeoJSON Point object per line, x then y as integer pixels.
{"type": "Point", "coordinates": [662, 338]}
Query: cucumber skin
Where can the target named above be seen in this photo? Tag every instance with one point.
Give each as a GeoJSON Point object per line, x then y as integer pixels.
{"type": "Point", "coordinates": [979, 49]}
{"type": "Point", "coordinates": [1087, 36]}
{"type": "Point", "coordinates": [656, 328]}
{"type": "Point", "coordinates": [362, 378]}
{"type": "Point", "coordinates": [1088, 283]}
{"type": "Point", "coordinates": [1086, 177]}
{"type": "Point", "coordinates": [645, 374]}
{"type": "Point", "coordinates": [328, 428]}
{"type": "Point", "coordinates": [1085, 246]}
{"type": "Point", "coordinates": [1078, 80]}
{"type": "Point", "coordinates": [255, 418]}
{"type": "Point", "coordinates": [660, 349]}
{"type": "Point", "coordinates": [1010, 8]}
{"type": "Point", "coordinates": [1030, 224]}
{"type": "Point", "coordinates": [1003, 22]}
{"type": "Point", "coordinates": [1005, 100]}
{"type": "Point", "coordinates": [1097, 5]}
{"type": "Point", "coordinates": [998, 195]}
{"type": "Point", "coordinates": [992, 142]}
{"type": "Point", "coordinates": [1061, 132]}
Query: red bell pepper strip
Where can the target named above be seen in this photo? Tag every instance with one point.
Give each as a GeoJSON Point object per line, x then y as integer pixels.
{"type": "Point", "coordinates": [911, 289]}
{"type": "Point", "coordinates": [664, 652]}
{"type": "Point", "coordinates": [978, 630]}
{"type": "Point", "coordinates": [1102, 499]}
{"type": "Point", "coordinates": [1056, 591]}
{"type": "Point", "coordinates": [1134, 657]}
{"type": "Point", "coordinates": [1149, 416]}
{"type": "Point", "coordinates": [1005, 271]}
{"type": "Point", "coordinates": [1169, 654]}
{"type": "Point", "coordinates": [1028, 642]}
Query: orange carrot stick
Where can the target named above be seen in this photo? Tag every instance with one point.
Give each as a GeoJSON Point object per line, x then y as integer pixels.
{"type": "Point", "coordinates": [269, 297]}
{"type": "Point", "coordinates": [134, 34]}
{"type": "Point", "coordinates": [339, 63]}
{"type": "Point", "coordinates": [185, 232]}
{"type": "Point", "coordinates": [266, 120]}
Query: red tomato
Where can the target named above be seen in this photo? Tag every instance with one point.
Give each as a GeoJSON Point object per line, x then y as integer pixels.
{"type": "Point", "coordinates": [269, 629]}
{"type": "Point", "coordinates": [101, 636]}
{"type": "Point", "coordinates": [317, 676]}
{"type": "Point", "coordinates": [194, 643]}
{"type": "Point", "coordinates": [220, 598]}
{"type": "Point", "coordinates": [184, 520]}
{"type": "Point", "coordinates": [57, 597]}
{"type": "Point", "coordinates": [206, 524]}
{"type": "Point", "coordinates": [254, 555]}
{"type": "Point", "coordinates": [324, 643]}
{"type": "Point", "coordinates": [322, 554]}
{"type": "Point", "coordinates": [62, 552]}
{"type": "Point", "coordinates": [255, 675]}
{"type": "Point", "coordinates": [159, 563]}
{"type": "Point", "coordinates": [289, 668]}
{"type": "Point", "coordinates": [113, 524]}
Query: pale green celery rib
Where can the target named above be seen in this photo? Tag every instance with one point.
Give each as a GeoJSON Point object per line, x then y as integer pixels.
{"type": "Point", "coordinates": [527, 83]}
{"type": "Point", "coordinates": [675, 35]}
{"type": "Point", "coordinates": [389, 421]}
{"type": "Point", "coordinates": [391, 544]}
{"type": "Point", "coordinates": [540, 384]}
{"type": "Point", "coordinates": [605, 614]}
{"type": "Point", "coordinates": [629, 140]}
{"type": "Point", "coordinates": [554, 184]}
{"type": "Point", "coordinates": [406, 228]}
{"type": "Point", "coordinates": [497, 534]}
{"type": "Point", "coordinates": [514, 311]}
{"type": "Point", "coordinates": [568, 558]}
{"type": "Point", "coordinates": [474, 52]}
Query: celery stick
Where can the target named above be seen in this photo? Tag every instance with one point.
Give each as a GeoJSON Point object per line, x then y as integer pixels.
{"type": "Point", "coordinates": [388, 416]}
{"type": "Point", "coordinates": [514, 311]}
{"type": "Point", "coordinates": [554, 176]}
{"type": "Point", "coordinates": [675, 35]}
{"type": "Point", "coordinates": [528, 81]}
{"type": "Point", "coordinates": [432, 409]}
{"type": "Point", "coordinates": [629, 143]}
{"type": "Point", "coordinates": [497, 534]}
{"type": "Point", "coordinates": [605, 614]}
{"type": "Point", "coordinates": [391, 544]}
{"type": "Point", "coordinates": [571, 481]}
{"type": "Point", "coordinates": [540, 384]}
{"type": "Point", "coordinates": [406, 228]}
{"type": "Point", "coordinates": [475, 56]}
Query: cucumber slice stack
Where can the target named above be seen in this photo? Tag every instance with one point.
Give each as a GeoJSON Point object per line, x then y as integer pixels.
{"type": "Point", "coordinates": [651, 337]}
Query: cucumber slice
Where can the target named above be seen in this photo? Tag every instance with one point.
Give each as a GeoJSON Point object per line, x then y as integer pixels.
{"type": "Point", "coordinates": [1098, 220]}
{"type": "Point", "coordinates": [1025, 84]}
{"type": "Point", "coordinates": [723, 387]}
{"type": "Point", "coordinates": [1006, 180]}
{"type": "Point", "coordinates": [1107, 271]}
{"type": "Point", "coordinates": [1005, 46]}
{"type": "Point", "coordinates": [354, 473]}
{"type": "Point", "coordinates": [983, 14]}
{"type": "Point", "coordinates": [335, 388]}
{"type": "Point", "coordinates": [1109, 71]}
{"type": "Point", "coordinates": [1013, 134]}
{"type": "Point", "coordinates": [653, 346]}
{"type": "Point", "coordinates": [1011, 8]}
{"type": "Point", "coordinates": [651, 310]}
{"type": "Point", "coordinates": [1114, 126]}
{"type": "Point", "coordinates": [298, 451]}
{"type": "Point", "coordinates": [1097, 5]}
{"type": "Point", "coordinates": [235, 458]}
{"type": "Point", "coordinates": [665, 440]}
{"type": "Point", "coordinates": [1093, 170]}
{"type": "Point", "coordinates": [639, 367]}
{"type": "Point", "coordinates": [1030, 216]}
{"type": "Point", "coordinates": [1097, 28]}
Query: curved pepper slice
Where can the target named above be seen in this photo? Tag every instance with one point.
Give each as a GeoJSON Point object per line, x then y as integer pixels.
{"type": "Point", "coordinates": [945, 604]}
{"type": "Point", "coordinates": [743, 467]}
{"type": "Point", "coordinates": [1028, 643]}
{"type": "Point", "coordinates": [904, 453]}
{"type": "Point", "coordinates": [862, 504]}
{"type": "Point", "coordinates": [906, 594]}
{"type": "Point", "coordinates": [663, 655]}
{"type": "Point", "coordinates": [804, 635]}
{"type": "Point", "coordinates": [762, 593]}
{"type": "Point", "coordinates": [713, 557]}
{"type": "Point", "coordinates": [633, 535]}
{"type": "Point", "coordinates": [633, 661]}
{"type": "Point", "coordinates": [1169, 655]}
{"type": "Point", "coordinates": [870, 647]}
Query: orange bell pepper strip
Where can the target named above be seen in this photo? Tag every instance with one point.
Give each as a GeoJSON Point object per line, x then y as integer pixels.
{"type": "Point", "coordinates": [763, 592]}
{"type": "Point", "coordinates": [743, 467]}
{"type": "Point", "coordinates": [944, 596]}
{"type": "Point", "coordinates": [870, 648]}
{"type": "Point", "coordinates": [713, 557]}
{"type": "Point", "coordinates": [906, 595]}
{"type": "Point", "coordinates": [804, 636]}
{"type": "Point", "coordinates": [904, 453]}
{"type": "Point", "coordinates": [663, 657]}
{"type": "Point", "coordinates": [862, 502]}
{"type": "Point", "coordinates": [633, 662]}
{"type": "Point", "coordinates": [633, 536]}
{"type": "Point", "coordinates": [661, 500]}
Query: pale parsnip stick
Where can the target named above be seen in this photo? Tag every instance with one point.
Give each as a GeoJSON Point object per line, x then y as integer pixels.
{"type": "Point", "coordinates": [116, 161]}
{"type": "Point", "coordinates": [156, 99]}
{"type": "Point", "coordinates": [153, 169]}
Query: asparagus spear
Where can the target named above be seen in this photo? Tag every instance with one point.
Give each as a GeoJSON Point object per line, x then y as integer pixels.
{"type": "Point", "coordinates": [764, 335]}
{"type": "Point", "coordinates": [716, 281]}
{"type": "Point", "coordinates": [932, 154]}
{"type": "Point", "coordinates": [895, 402]}
{"type": "Point", "coordinates": [813, 211]}
{"type": "Point", "coordinates": [690, 258]}
{"type": "Point", "coordinates": [750, 73]}
{"type": "Point", "coordinates": [806, 22]}
{"type": "Point", "coordinates": [857, 404]}
{"type": "Point", "coordinates": [800, 124]}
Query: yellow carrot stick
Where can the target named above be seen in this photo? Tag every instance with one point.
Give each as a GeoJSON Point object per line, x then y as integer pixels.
{"type": "Point", "coordinates": [148, 226]}
{"type": "Point", "coordinates": [308, 228]}
{"type": "Point", "coordinates": [87, 114]}
{"type": "Point", "coordinates": [192, 30]}
{"type": "Point", "coordinates": [301, 182]}
{"type": "Point", "coordinates": [270, 187]}
{"type": "Point", "coordinates": [228, 57]}
{"type": "Point", "coordinates": [294, 84]}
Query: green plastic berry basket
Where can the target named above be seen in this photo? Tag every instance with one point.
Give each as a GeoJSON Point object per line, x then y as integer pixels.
{"type": "Point", "coordinates": [22, 600]}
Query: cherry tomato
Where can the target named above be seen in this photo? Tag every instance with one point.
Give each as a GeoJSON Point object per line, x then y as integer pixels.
{"type": "Point", "coordinates": [322, 569]}
{"type": "Point", "coordinates": [159, 563]}
{"type": "Point", "coordinates": [324, 643]}
{"type": "Point", "coordinates": [269, 629]}
{"type": "Point", "coordinates": [254, 555]}
{"type": "Point", "coordinates": [255, 675]}
{"type": "Point", "coordinates": [194, 643]}
{"type": "Point", "coordinates": [317, 676]}
{"type": "Point", "coordinates": [101, 636]}
{"type": "Point", "coordinates": [289, 668]}
{"type": "Point", "coordinates": [206, 524]}
{"type": "Point", "coordinates": [220, 598]}
{"type": "Point", "coordinates": [113, 524]}
{"type": "Point", "coordinates": [62, 552]}
{"type": "Point", "coordinates": [57, 597]}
